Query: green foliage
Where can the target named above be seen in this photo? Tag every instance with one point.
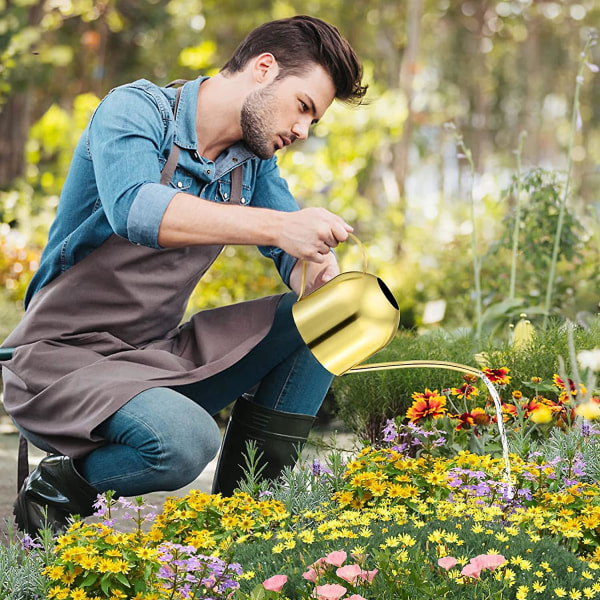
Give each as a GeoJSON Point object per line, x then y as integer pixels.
{"type": "Point", "coordinates": [21, 563]}
{"type": "Point", "coordinates": [541, 192]}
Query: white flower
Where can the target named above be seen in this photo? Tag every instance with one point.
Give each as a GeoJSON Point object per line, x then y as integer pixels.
{"type": "Point", "coordinates": [589, 359]}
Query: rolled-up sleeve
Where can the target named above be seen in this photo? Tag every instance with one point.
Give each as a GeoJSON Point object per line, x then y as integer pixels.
{"type": "Point", "coordinates": [126, 137]}
{"type": "Point", "coordinates": [272, 191]}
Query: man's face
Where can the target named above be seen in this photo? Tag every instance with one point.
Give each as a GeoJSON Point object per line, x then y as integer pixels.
{"type": "Point", "coordinates": [283, 110]}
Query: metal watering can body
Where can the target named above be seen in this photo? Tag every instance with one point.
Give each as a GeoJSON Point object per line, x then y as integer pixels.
{"type": "Point", "coordinates": [347, 320]}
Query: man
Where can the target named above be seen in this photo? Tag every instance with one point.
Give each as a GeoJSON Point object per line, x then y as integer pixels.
{"type": "Point", "coordinates": [104, 377]}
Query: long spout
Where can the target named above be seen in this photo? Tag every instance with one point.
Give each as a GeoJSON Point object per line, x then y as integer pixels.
{"type": "Point", "coordinates": [412, 364]}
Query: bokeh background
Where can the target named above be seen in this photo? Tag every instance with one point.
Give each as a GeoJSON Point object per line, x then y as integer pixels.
{"type": "Point", "coordinates": [516, 79]}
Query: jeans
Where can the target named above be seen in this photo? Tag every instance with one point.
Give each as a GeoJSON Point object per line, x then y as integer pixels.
{"type": "Point", "coordinates": [163, 438]}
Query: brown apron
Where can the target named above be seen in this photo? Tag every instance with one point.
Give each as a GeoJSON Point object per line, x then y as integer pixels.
{"type": "Point", "coordinates": [109, 328]}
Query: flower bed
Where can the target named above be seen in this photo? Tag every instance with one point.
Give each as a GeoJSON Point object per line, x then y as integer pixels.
{"type": "Point", "coordinates": [417, 516]}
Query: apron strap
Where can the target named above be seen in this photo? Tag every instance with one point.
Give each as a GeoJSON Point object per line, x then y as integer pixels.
{"type": "Point", "coordinates": [171, 164]}
{"type": "Point", "coordinates": [236, 185]}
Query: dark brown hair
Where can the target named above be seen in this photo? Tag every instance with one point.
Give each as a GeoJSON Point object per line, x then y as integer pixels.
{"type": "Point", "coordinates": [299, 42]}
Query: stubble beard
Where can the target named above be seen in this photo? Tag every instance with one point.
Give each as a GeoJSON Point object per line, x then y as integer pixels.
{"type": "Point", "coordinates": [257, 113]}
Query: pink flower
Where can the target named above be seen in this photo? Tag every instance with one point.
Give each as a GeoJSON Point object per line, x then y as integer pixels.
{"type": "Point", "coordinates": [330, 591]}
{"type": "Point", "coordinates": [448, 562]}
{"type": "Point", "coordinates": [310, 575]}
{"type": "Point", "coordinates": [275, 583]}
{"type": "Point", "coordinates": [349, 573]}
{"type": "Point", "coordinates": [488, 561]}
{"type": "Point", "coordinates": [336, 558]}
{"type": "Point", "coordinates": [471, 570]}
{"type": "Point", "coordinates": [356, 597]}
{"type": "Point", "coordinates": [369, 575]}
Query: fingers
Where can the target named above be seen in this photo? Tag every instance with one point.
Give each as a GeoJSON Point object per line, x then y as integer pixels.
{"type": "Point", "coordinates": [313, 232]}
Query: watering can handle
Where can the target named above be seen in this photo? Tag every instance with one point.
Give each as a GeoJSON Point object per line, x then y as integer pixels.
{"type": "Point", "coordinates": [364, 256]}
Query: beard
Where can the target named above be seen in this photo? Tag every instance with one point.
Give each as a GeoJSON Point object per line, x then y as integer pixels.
{"type": "Point", "coordinates": [256, 116]}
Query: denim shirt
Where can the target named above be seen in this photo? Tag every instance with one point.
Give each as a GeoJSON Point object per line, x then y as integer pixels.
{"type": "Point", "coordinates": [113, 185]}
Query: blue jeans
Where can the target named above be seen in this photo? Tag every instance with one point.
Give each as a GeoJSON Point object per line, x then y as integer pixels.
{"type": "Point", "coordinates": [163, 438]}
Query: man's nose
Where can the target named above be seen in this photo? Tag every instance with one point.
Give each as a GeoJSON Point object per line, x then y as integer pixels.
{"type": "Point", "coordinates": [301, 129]}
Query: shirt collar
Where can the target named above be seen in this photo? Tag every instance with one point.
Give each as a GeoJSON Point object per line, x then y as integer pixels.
{"type": "Point", "coordinates": [185, 130]}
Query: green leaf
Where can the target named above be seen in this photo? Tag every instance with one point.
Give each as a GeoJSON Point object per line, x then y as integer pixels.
{"type": "Point", "coordinates": [89, 579]}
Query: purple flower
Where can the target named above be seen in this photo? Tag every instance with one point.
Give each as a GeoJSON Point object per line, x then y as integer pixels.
{"type": "Point", "coordinates": [389, 431]}
{"type": "Point", "coordinates": [28, 543]}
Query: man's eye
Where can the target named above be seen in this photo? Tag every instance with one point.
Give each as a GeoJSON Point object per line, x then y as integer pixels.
{"type": "Point", "coordinates": [304, 106]}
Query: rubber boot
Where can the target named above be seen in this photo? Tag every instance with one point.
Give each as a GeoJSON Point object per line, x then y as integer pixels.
{"type": "Point", "coordinates": [279, 436]}
{"type": "Point", "coordinates": [51, 494]}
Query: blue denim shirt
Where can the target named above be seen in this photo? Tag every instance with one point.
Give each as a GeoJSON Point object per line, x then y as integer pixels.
{"type": "Point", "coordinates": [113, 184]}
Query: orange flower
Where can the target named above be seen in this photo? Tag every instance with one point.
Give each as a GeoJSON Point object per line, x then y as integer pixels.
{"type": "Point", "coordinates": [499, 376]}
{"type": "Point", "coordinates": [572, 391]}
{"type": "Point", "coordinates": [427, 404]}
{"type": "Point", "coordinates": [477, 416]}
{"type": "Point", "coordinates": [509, 410]}
{"type": "Point", "coordinates": [465, 391]}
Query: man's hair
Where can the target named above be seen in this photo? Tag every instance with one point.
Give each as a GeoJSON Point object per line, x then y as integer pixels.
{"type": "Point", "coordinates": [299, 42]}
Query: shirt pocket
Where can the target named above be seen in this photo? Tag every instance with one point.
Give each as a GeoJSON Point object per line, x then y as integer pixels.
{"type": "Point", "coordinates": [224, 192]}
{"type": "Point", "coordinates": [181, 180]}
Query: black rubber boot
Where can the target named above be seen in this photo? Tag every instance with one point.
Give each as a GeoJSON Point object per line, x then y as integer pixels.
{"type": "Point", "coordinates": [53, 492]}
{"type": "Point", "coordinates": [278, 436]}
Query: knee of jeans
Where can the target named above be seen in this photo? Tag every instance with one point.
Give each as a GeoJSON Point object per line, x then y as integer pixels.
{"type": "Point", "coordinates": [189, 455]}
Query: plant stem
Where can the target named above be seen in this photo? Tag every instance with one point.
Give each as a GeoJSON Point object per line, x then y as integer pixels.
{"type": "Point", "coordinates": [515, 244]}
{"type": "Point", "coordinates": [476, 261]}
{"type": "Point", "coordinates": [563, 204]}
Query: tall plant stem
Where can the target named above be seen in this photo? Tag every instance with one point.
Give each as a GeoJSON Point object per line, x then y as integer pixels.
{"type": "Point", "coordinates": [474, 247]}
{"type": "Point", "coordinates": [563, 203]}
{"type": "Point", "coordinates": [466, 153]}
{"type": "Point", "coordinates": [517, 226]}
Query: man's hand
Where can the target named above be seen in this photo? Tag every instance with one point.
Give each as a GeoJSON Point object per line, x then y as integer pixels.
{"type": "Point", "coordinates": [316, 274]}
{"type": "Point", "coordinates": [309, 234]}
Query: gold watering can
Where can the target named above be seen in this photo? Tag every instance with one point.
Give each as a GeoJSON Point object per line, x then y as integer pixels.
{"type": "Point", "coordinates": [347, 319]}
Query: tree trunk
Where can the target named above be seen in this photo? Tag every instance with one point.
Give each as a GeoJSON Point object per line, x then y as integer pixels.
{"type": "Point", "coordinates": [407, 74]}
{"type": "Point", "coordinates": [15, 116]}
{"type": "Point", "coordinates": [14, 125]}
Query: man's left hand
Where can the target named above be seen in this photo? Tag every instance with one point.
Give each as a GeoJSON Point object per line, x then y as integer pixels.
{"type": "Point", "coordinates": [317, 274]}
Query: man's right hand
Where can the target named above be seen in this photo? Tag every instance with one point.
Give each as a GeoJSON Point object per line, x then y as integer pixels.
{"type": "Point", "coordinates": [310, 234]}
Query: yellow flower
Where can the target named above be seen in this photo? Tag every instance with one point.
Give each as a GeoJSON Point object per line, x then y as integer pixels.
{"type": "Point", "coordinates": [307, 536]}
{"type": "Point", "coordinates": [278, 548]}
{"type": "Point", "coordinates": [78, 595]}
{"type": "Point", "coordinates": [538, 587]}
{"type": "Point", "coordinates": [146, 553]}
{"type": "Point", "coordinates": [575, 594]}
{"type": "Point", "coordinates": [54, 573]}
{"type": "Point", "coordinates": [522, 592]}
{"type": "Point", "coordinates": [58, 592]}
{"type": "Point", "coordinates": [88, 563]}
{"type": "Point", "coordinates": [588, 410]}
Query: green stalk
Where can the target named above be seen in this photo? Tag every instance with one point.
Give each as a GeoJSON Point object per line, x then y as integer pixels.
{"type": "Point", "coordinates": [475, 251]}
{"type": "Point", "coordinates": [515, 244]}
{"type": "Point", "coordinates": [563, 204]}
{"type": "Point", "coordinates": [466, 152]}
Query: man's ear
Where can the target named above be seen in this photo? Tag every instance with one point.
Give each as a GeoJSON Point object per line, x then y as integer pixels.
{"type": "Point", "coordinates": [265, 68]}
